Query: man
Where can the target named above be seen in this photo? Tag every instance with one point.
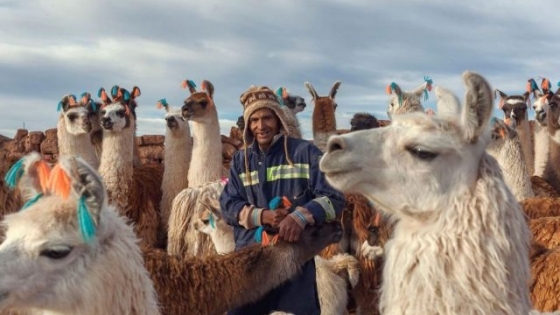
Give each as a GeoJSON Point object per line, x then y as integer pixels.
{"type": "Point", "coordinates": [274, 164]}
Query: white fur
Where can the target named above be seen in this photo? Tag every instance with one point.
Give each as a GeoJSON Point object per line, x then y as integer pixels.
{"type": "Point", "coordinates": [461, 244]}
{"type": "Point", "coordinates": [371, 252]}
{"type": "Point", "coordinates": [177, 158]}
{"type": "Point", "coordinates": [74, 136]}
{"type": "Point", "coordinates": [410, 102]}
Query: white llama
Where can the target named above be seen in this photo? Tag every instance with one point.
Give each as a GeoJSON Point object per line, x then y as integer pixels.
{"type": "Point", "coordinates": [461, 243]}
{"type": "Point", "coordinates": [69, 252]}
{"type": "Point", "coordinates": [177, 158]}
{"type": "Point", "coordinates": [401, 102]}
{"type": "Point", "coordinates": [135, 191]}
{"type": "Point", "coordinates": [506, 148]}
{"type": "Point", "coordinates": [541, 137]}
{"type": "Point", "coordinates": [74, 128]}
{"type": "Point", "coordinates": [291, 104]}
{"type": "Point", "coordinates": [516, 115]}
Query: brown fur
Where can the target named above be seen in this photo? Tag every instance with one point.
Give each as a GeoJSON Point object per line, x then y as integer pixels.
{"type": "Point", "coordinates": [546, 231]}
{"type": "Point", "coordinates": [220, 282]}
{"type": "Point", "coordinates": [545, 271]}
{"type": "Point", "coordinates": [539, 207]}
{"type": "Point", "coordinates": [542, 188]}
{"type": "Point", "coordinates": [323, 118]}
{"type": "Point", "coordinates": [144, 202]}
{"type": "Point", "coordinates": [552, 169]}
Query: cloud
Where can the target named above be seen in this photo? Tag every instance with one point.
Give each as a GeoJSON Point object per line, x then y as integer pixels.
{"type": "Point", "coordinates": [51, 48]}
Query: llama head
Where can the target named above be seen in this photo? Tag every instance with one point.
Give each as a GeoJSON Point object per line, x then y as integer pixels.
{"type": "Point", "coordinates": [362, 121]}
{"type": "Point", "coordinates": [175, 123]}
{"type": "Point", "coordinates": [409, 167]}
{"type": "Point", "coordinates": [501, 132]}
{"type": "Point", "coordinates": [209, 220]}
{"type": "Point", "coordinates": [401, 102]}
{"type": "Point", "coordinates": [553, 116]}
{"type": "Point", "coordinates": [77, 115]}
{"type": "Point", "coordinates": [540, 105]}
{"type": "Point", "coordinates": [515, 106]}
{"type": "Point", "coordinates": [119, 112]}
{"type": "Point", "coordinates": [199, 106]}
{"type": "Point", "coordinates": [49, 243]}
{"type": "Point", "coordinates": [324, 106]}
{"type": "Point", "coordinates": [294, 102]}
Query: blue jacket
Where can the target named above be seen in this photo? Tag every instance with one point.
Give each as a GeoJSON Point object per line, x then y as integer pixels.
{"type": "Point", "coordinates": [270, 175]}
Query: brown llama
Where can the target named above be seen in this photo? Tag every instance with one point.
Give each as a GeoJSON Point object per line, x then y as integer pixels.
{"type": "Point", "coordinates": [323, 118]}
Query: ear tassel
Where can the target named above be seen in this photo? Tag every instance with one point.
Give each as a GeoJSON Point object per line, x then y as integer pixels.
{"type": "Point", "coordinates": [59, 182]}
{"type": "Point", "coordinates": [31, 201]}
{"type": "Point", "coordinates": [280, 95]}
{"type": "Point", "coordinates": [260, 235]}
{"type": "Point", "coordinates": [14, 174]}
{"type": "Point", "coordinates": [162, 103]}
{"type": "Point", "coordinates": [43, 172]}
{"type": "Point", "coordinates": [545, 85]}
{"type": "Point", "coordinates": [85, 221]}
{"type": "Point", "coordinates": [59, 107]}
{"type": "Point", "coordinates": [212, 221]}
{"type": "Point", "coordinates": [429, 83]}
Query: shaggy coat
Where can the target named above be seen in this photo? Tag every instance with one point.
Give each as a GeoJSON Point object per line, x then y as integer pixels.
{"type": "Point", "coordinates": [546, 231]}
{"type": "Point", "coordinates": [545, 294]}
{"type": "Point", "coordinates": [540, 207]}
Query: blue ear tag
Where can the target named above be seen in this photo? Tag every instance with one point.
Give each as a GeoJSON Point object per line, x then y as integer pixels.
{"type": "Point", "coordinates": [99, 92]}
{"type": "Point", "coordinates": [114, 90]}
{"type": "Point", "coordinates": [93, 105]}
{"type": "Point", "coordinates": [59, 107]}
{"type": "Point", "coordinates": [212, 221]}
{"type": "Point", "coordinates": [85, 221]}
{"type": "Point", "coordinates": [31, 201]}
{"type": "Point", "coordinates": [126, 96]}
{"type": "Point", "coordinates": [191, 83]}
{"type": "Point", "coordinates": [279, 95]}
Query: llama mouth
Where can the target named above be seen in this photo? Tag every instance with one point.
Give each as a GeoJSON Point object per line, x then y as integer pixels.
{"type": "Point", "coordinates": [107, 125]}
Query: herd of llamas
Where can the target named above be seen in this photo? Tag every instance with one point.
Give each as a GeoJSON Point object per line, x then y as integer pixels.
{"type": "Point", "coordinates": [447, 212]}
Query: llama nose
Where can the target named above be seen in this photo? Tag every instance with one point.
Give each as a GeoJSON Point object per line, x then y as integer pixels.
{"type": "Point", "coordinates": [336, 143]}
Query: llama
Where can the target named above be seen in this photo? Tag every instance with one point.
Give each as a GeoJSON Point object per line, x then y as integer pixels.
{"type": "Point", "coordinates": [516, 115]}
{"type": "Point", "coordinates": [291, 104]}
{"type": "Point", "coordinates": [405, 102]}
{"type": "Point", "coordinates": [324, 120]}
{"type": "Point", "coordinates": [331, 284]}
{"type": "Point", "coordinates": [74, 128]}
{"type": "Point", "coordinates": [541, 137]}
{"type": "Point", "coordinates": [552, 170]}
{"type": "Point", "coordinates": [545, 231]}
{"type": "Point", "coordinates": [506, 148]}
{"type": "Point", "coordinates": [69, 252]}
{"type": "Point", "coordinates": [177, 155]}
{"type": "Point", "coordinates": [460, 244]}
{"type": "Point", "coordinates": [135, 191]}
{"type": "Point", "coordinates": [200, 109]}
{"type": "Point", "coordinates": [362, 121]}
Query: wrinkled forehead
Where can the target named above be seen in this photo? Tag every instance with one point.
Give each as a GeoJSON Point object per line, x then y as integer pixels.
{"type": "Point", "coordinates": [514, 102]}
{"type": "Point", "coordinates": [197, 97]}
{"type": "Point", "coordinates": [174, 113]}
{"type": "Point", "coordinates": [47, 216]}
{"type": "Point", "coordinates": [420, 129]}
{"type": "Point", "coordinates": [77, 110]}
{"type": "Point", "coordinates": [114, 107]}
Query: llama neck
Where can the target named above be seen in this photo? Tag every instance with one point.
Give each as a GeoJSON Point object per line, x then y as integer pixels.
{"type": "Point", "coordinates": [511, 161]}
{"type": "Point", "coordinates": [116, 165]}
{"type": "Point", "coordinates": [223, 239]}
{"type": "Point", "coordinates": [78, 145]}
{"type": "Point", "coordinates": [324, 126]}
{"type": "Point", "coordinates": [177, 154]}
{"type": "Point", "coordinates": [206, 163]}
{"type": "Point", "coordinates": [542, 146]}
{"type": "Point", "coordinates": [525, 136]}
{"type": "Point", "coordinates": [438, 267]}
{"type": "Point", "coordinates": [552, 169]}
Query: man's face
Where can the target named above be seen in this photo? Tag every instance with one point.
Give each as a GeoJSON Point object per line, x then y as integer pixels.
{"type": "Point", "coordinates": [264, 125]}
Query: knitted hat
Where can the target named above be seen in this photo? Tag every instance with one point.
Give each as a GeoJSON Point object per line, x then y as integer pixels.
{"type": "Point", "coordinates": [259, 97]}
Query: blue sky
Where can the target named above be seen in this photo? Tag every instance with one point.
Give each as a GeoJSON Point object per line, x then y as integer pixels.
{"type": "Point", "coordinates": [51, 48]}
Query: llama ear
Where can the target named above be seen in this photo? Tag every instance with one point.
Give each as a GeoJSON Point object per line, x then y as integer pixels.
{"type": "Point", "coordinates": [420, 90]}
{"type": "Point", "coordinates": [280, 92]}
{"type": "Point", "coordinates": [66, 102]}
{"type": "Point", "coordinates": [208, 87]}
{"type": "Point", "coordinates": [334, 89]}
{"type": "Point", "coordinates": [115, 91]}
{"type": "Point", "coordinates": [448, 105]}
{"type": "Point", "coordinates": [526, 96]}
{"type": "Point", "coordinates": [311, 90]}
{"type": "Point", "coordinates": [190, 85]}
{"type": "Point", "coordinates": [135, 92]}
{"type": "Point", "coordinates": [163, 104]}
{"type": "Point", "coordinates": [503, 97]}
{"type": "Point", "coordinates": [478, 106]}
{"type": "Point", "coordinates": [89, 191]}
{"type": "Point", "coordinates": [394, 88]}
{"type": "Point", "coordinates": [105, 99]}
{"type": "Point", "coordinates": [31, 174]}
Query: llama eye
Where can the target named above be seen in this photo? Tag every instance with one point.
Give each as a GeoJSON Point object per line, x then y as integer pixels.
{"type": "Point", "coordinates": [103, 112]}
{"type": "Point", "coordinates": [120, 113]}
{"type": "Point", "coordinates": [56, 252]}
{"type": "Point", "coordinates": [422, 154]}
{"type": "Point", "coordinates": [72, 117]}
{"type": "Point", "coordinates": [373, 229]}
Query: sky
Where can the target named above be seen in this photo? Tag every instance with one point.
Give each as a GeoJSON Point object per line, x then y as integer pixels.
{"type": "Point", "coordinates": [49, 48]}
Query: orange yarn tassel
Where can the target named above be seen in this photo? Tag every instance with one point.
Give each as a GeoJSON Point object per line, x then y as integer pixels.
{"type": "Point", "coordinates": [59, 182]}
{"type": "Point", "coordinates": [72, 101]}
{"type": "Point", "coordinates": [184, 84]}
{"type": "Point", "coordinates": [284, 93]}
{"type": "Point", "coordinates": [545, 84]}
{"type": "Point", "coordinates": [376, 220]}
{"type": "Point", "coordinates": [43, 173]}
{"type": "Point", "coordinates": [388, 89]}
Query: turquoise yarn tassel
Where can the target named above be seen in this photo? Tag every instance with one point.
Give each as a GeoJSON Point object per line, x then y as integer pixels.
{"type": "Point", "coordinates": [14, 174]}
{"type": "Point", "coordinates": [85, 221]}
{"type": "Point", "coordinates": [212, 221]}
{"type": "Point", "coordinates": [429, 82]}
{"type": "Point", "coordinates": [191, 83]}
{"type": "Point", "coordinates": [272, 205]}
{"type": "Point", "coordinates": [31, 201]}
{"type": "Point", "coordinates": [59, 107]}
{"type": "Point", "coordinates": [279, 95]}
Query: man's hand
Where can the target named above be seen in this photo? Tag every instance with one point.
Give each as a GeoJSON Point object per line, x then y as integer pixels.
{"type": "Point", "coordinates": [273, 218]}
{"type": "Point", "coordinates": [289, 229]}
